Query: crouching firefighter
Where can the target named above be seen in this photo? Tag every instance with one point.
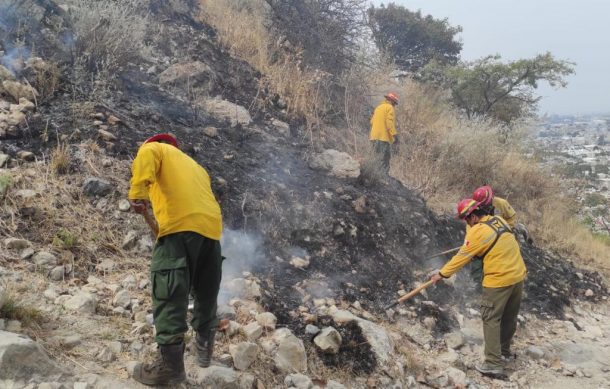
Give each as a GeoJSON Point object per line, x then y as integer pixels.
{"type": "Point", "coordinates": [490, 238]}
{"type": "Point", "coordinates": [186, 258]}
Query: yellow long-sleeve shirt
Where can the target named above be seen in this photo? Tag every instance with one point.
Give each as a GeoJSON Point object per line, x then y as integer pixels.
{"type": "Point", "coordinates": [383, 124]}
{"type": "Point", "coordinates": [504, 209]}
{"type": "Point", "coordinates": [503, 264]}
{"type": "Point", "coordinates": [179, 190]}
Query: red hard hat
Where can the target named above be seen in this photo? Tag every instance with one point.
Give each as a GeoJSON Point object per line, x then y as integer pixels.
{"type": "Point", "coordinates": [393, 97]}
{"type": "Point", "coordinates": [484, 195]}
{"type": "Point", "coordinates": [167, 138]}
{"type": "Point", "coordinates": [466, 207]}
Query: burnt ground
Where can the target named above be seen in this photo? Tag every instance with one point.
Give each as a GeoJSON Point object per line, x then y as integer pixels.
{"type": "Point", "coordinates": [362, 255]}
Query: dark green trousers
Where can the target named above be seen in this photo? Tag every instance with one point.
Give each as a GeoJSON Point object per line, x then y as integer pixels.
{"type": "Point", "coordinates": [384, 153]}
{"type": "Point", "coordinates": [184, 263]}
{"type": "Point", "coordinates": [499, 310]}
{"type": "Point", "coordinates": [476, 272]}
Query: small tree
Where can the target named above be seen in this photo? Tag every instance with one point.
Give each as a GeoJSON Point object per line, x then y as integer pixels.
{"type": "Point", "coordinates": [412, 39]}
{"type": "Point", "coordinates": [501, 90]}
{"type": "Point", "coordinates": [326, 30]}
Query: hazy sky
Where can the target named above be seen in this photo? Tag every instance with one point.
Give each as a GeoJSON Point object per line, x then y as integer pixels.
{"type": "Point", "coordinates": [578, 31]}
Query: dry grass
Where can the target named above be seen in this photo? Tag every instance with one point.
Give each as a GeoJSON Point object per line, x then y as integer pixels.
{"type": "Point", "coordinates": [304, 91]}
{"type": "Point", "coordinates": [60, 158]}
{"type": "Point", "coordinates": [29, 317]}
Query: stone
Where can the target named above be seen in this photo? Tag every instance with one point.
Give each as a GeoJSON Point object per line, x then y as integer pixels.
{"type": "Point", "coordinates": [27, 253]}
{"type": "Point", "coordinates": [454, 340]}
{"type": "Point", "coordinates": [22, 358]}
{"type": "Point", "coordinates": [81, 385]}
{"type": "Point", "coordinates": [429, 323]}
{"type": "Point", "coordinates": [298, 381]}
{"type": "Point", "coordinates": [212, 132]}
{"type": "Point", "coordinates": [534, 352]}
{"type": "Point", "coordinates": [252, 330]}
{"type": "Point", "coordinates": [70, 341]}
{"type": "Point", "coordinates": [17, 90]}
{"type": "Point", "coordinates": [106, 355]}
{"type": "Point", "coordinates": [113, 120]}
{"type": "Point", "coordinates": [225, 311]}
{"type": "Point", "coordinates": [281, 334]}
{"type": "Point", "coordinates": [116, 347]}
{"type": "Point", "coordinates": [106, 136]}
{"type": "Point", "coordinates": [44, 259]}
{"type": "Point", "coordinates": [281, 127]}
{"type": "Point", "coordinates": [122, 299]}
{"type": "Point", "coordinates": [93, 186]}
{"type": "Point", "coordinates": [233, 329]}
{"type": "Point", "coordinates": [291, 356]}
{"type": "Point", "coordinates": [310, 329]}
{"type": "Point", "coordinates": [337, 163]}
{"type": "Point", "coordinates": [26, 155]}
{"type": "Point", "coordinates": [328, 340]}
{"type": "Point", "coordinates": [82, 302]}
{"type": "Point", "coordinates": [243, 353]}
{"type": "Point", "coordinates": [26, 105]}
{"type": "Point", "coordinates": [57, 273]}
{"type": "Point", "coordinates": [457, 378]}
{"type": "Point", "coordinates": [331, 384]}
{"type": "Point", "coordinates": [189, 72]}
{"type": "Point", "coordinates": [592, 332]}
{"type": "Point", "coordinates": [124, 205]}
{"type": "Point", "coordinates": [247, 289]}
{"type": "Point", "coordinates": [130, 367]}
{"type": "Point", "coordinates": [50, 294]}
{"type": "Point", "coordinates": [380, 341]}
{"type": "Point", "coordinates": [225, 110]}
{"type": "Point", "coordinates": [267, 320]}
{"type": "Point", "coordinates": [299, 262]}
{"type": "Point", "coordinates": [589, 293]}
{"type": "Point", "coordinates": [4, 158]}
{"type": "Point", "coordinates": [216, 377]}
{"type": "Point", "coordinates": [342, 317]}
{"type": "Point", "coordinates": [16, 244]}
{"type": "Point", "coordinates": [26, 194]}
{"type": "Point", "coordinates": [13, 326]}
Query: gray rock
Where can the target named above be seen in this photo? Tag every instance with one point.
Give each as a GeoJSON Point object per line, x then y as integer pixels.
{"type": "Point", "coordinates": [26, 194]}
{"type": "Point", "coordinates": [70, 341]}
{"type": "Point", "coordinates": [50, 385]}
{"type": "Point", "coordinates": [16, 244]}
{"type": "Point", "coordinates": [131, 367]}
{"type": "Point", "coordinates": [129, 282]}
{"type": "Point", "coordinates": [337, 163]}
{"type": "Point", "coordinates": [44, 259]}
{"type": "Point", "coordinates": [122, 299]}
{"type": "Point", "coordinates": [298, 381]}
{"type": "Point", "coordinates": [4, 158]}
{"type": "Point", "coordinates": [83, 302]}
{"type": "Point", "coordinates": [106, 355]}
{"type": "Point", "coordinates": [93, 186]}
{"type": "Point", "coordinates": [22, 358]}
{"type": "Point", "coordinates": [282, 127]}
{"type": "Point", "coordinates": [281, 334]}
{"type": "Point", "coordinates": [331, 384]}
{"type": "Point", "coordinates": [252, 330]}
{"type": "Point", "coordinates": [57, 274]}
{"type": "Point", "coordinates": [379, 340]}
{"type": "Point", "coordinates": [454, 340]}
{"type": "Point", "coordinates": [13, 326]}
{"type": "Point", "coordinates": [26, 253]}
{"type": "Point", "coordinates": [244, 288]}
{"type": "Point", "coordinates": [212, 132]}
{"type": "Point", "coordinates": [81, 385]}
{"type": "Point", "coordinates": [226, 110]}
{"type": "Point", "coordinates": [328, 340]}
{"type": "Point", "coordinates": [243, 354]}
{"type": "Point", "coordinates": [130, 240]}
{"type": "Point", "coordinates": [216, 377]}
{"type": "Point", "coordinates": [225, 311]}
{"type": "Point", "coordinates": [267, 320]}
{"type": "Point", "coordinates": [342, 317]}
{"type": "Point", "coordinates": [291, 356]}
{"type": "Point", "coordinates": [457, 378]}
{"type": "Point", "coordinates": [124, 205]}
{"type": "Point", "coordinates": [535, 352]}
{"type": "Point", "coordinates": [310, 329]}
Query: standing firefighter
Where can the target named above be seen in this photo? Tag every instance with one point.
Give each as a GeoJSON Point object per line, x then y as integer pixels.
{"type": "Point", "coordinates": [383, 129]}
{"type": "Point", "coordinates": [186, 257]}
{"type": "Point", "coordinates": [490, 238]}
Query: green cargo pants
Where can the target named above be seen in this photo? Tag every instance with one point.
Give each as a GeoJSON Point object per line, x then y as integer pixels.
{"type": "Point", "coordinates": [499, 310]}
{"type": "Point", "coordinates": [384, 153]}
{"type": "Point", "coordinates": [183, 263]}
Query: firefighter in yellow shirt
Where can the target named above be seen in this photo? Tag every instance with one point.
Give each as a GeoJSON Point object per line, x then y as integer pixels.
{"type": "Point", "coordinates": [186, 258]}
{"type": "Point", "coordinates": [490, 238]}
{"type": "Point", "coordinates": [383, 129]}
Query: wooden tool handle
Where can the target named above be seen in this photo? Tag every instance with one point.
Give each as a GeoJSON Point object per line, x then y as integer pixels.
{"type": "Point", "coordinates": [151, 223]}
{"type": "Point", "coordinates": [415, 291]}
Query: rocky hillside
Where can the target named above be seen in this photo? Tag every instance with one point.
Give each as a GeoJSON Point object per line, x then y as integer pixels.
{"type": "Point", "coordinates": [315, 247]}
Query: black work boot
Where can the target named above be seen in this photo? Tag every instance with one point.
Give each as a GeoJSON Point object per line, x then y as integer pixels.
{"type": "Point", "coordinates": [167, 369]}
{"type": "Point", "coordinates": [205, 347]}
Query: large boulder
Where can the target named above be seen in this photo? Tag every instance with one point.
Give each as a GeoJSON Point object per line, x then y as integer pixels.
{"type": "Point", "coordinates": [226, 110]}
{"type": "Point", "coordinates": [337, 163]}
{"type": "Point", "coordinates": [22, 358]}
{"type": "Point", "coordinates": [291, 356]}
{"type": "Point", "coordinates": [243, 353]}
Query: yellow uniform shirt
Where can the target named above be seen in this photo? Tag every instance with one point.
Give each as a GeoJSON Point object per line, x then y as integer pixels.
{"type": "Point", "coordinates": [503, 264]}
{"type": "Point", "coordinates": [383, 126]}
{"type": "Point", "coordinates": [504, 209]}
{"type": "Point", "coordinates": [179, 190]}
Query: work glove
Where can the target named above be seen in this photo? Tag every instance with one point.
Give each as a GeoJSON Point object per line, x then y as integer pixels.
{"type": "Point", "coordinates": [139, 206]}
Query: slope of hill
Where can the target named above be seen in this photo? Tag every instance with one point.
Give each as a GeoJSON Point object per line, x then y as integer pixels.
{"type": "Point", "coordinates": [313, 247]}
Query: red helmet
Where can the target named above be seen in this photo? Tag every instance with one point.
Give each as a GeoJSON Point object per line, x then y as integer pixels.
{"type": "Point", "coordinates": [466, 207]}
{"type": "Point", "coordinates": [165, 138]}
{"type": "Point", "coordinates": [393, 97]}
{"type": "Point", "coordinates": [483, 195]}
